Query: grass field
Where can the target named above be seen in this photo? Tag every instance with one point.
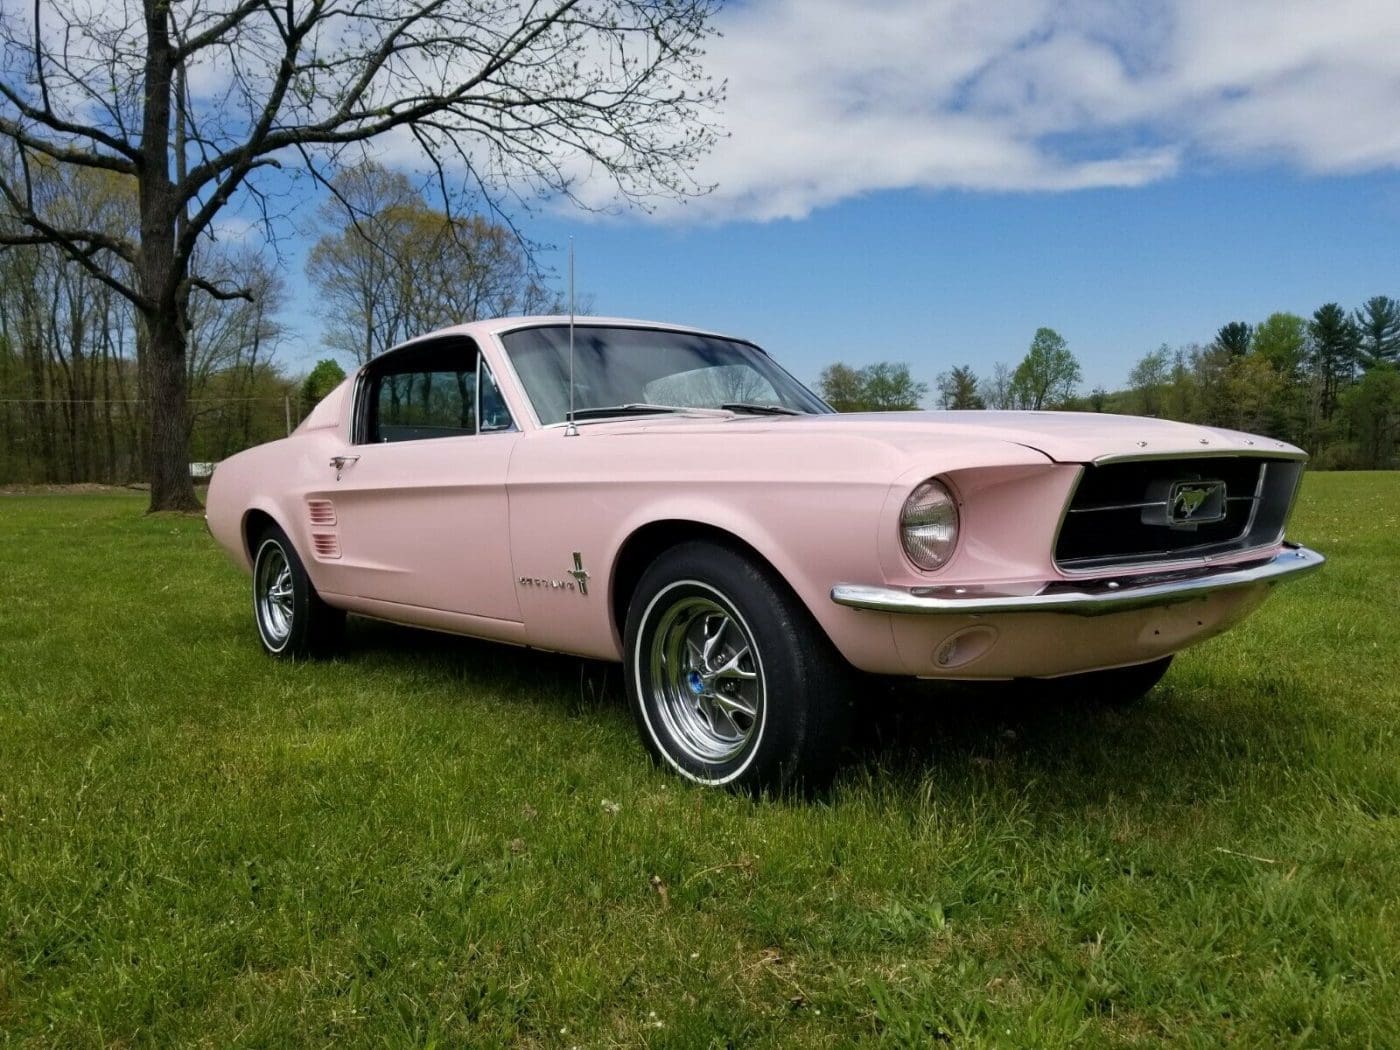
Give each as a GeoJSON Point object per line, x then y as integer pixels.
{"type": "Point", "coordinates": [437, 842]}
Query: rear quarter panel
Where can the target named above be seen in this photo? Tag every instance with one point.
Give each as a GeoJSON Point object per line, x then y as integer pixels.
{"type": "Point", "coordinates": [274, 479]}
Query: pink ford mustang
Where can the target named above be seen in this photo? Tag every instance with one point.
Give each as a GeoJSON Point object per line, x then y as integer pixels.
{"type": "Point", "coordinates": [701, 516]}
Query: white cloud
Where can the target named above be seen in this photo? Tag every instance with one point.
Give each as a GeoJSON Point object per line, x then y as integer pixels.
{"type": "Point", "coordinates": [830, 99]}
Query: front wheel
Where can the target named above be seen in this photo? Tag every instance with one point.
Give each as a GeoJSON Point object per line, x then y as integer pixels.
{"type": "Point", "coordinates": [292, 619]}
{"type": "Point", "coordinates": [730, 680]}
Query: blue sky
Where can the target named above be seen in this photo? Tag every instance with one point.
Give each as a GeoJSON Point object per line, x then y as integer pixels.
{"type": "Point", "coordinates": [946, 278]}
{"type": "Point", "coordinates": [931, 180]}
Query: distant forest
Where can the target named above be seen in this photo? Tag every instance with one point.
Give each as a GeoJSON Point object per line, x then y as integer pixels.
{"type": "Point", "coordinates": [73, 392]}
{"type": "Point", "coordinates": [1329, 383]}
{"type": "Point", "coordinates": [73, 389]}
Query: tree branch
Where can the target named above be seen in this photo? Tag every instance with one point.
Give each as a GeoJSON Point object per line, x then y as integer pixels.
{"type": "Point", "coordinates": [222, 294]}
{"type": "Point", "coordinates": [65, 154]}
{"type": "Point", "coordinates": [215, 32]}
{"type": "Point", "coordinates": [54, 122]}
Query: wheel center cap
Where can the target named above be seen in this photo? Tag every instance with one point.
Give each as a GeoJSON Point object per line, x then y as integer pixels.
{"type": "Point", "coordinates": [696, 683]}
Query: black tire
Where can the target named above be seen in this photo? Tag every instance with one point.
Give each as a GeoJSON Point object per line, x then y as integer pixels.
{"type": "Point", "coordinates": [694, 610]}
{"type": "Point", "coordinates": [298, 625]}
{"type": "Point", "coordinates": [1116, 687]}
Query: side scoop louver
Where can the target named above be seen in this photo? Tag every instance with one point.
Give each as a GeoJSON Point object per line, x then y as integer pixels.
{"type": "Point", "coordinates": [320, 511]}
{"type": "Point", "coordinates": [321, 514]}
{"type": "Point", "coordinates": [325, 544]}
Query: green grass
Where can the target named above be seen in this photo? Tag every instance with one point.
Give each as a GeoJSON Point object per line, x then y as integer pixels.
{"type": "Point", "coordinates": [438, 842]}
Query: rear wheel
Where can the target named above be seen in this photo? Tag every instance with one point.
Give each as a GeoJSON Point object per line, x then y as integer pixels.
{"type": "Point", "coordinates": [292, 619]}
{"type": "Point", "coordinates": [730, 680]}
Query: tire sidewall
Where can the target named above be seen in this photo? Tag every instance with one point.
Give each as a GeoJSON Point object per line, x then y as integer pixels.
{"type": "Point", "coordinates": [652, 722]}
{"type": "Point", "coordinates": [295, 641]}
{"type": "Point", "coordinates": [785, 649]}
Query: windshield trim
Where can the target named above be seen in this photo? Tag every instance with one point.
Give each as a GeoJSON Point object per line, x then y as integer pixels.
{"type": "Point", "coordinates": [497, 339]}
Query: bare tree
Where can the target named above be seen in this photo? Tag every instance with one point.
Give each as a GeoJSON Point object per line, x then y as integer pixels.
{"type": "Point", "coordinates": [397, 266]}
{"type": "Point", "coordinates": [353, 264]}
{"type": "Point", "coordinates": [996, 390]}
{"type": "Point", "coordinates": [201, 103]}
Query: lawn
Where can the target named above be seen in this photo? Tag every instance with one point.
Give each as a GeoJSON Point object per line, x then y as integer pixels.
{"type": "Point", "coordinates": [437, 842]}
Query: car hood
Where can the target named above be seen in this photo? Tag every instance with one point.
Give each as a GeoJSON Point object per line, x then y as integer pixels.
{"type": "Point", "coordinates": [1065, 437]}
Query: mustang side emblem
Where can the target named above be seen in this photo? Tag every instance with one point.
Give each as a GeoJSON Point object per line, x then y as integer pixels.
{"type": "Point", "coordinates": [578, 572]}
{"type": "Point", "coordinates": [1196, 502]}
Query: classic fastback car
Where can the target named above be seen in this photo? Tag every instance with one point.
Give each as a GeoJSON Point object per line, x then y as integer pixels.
{"type": "Point", "coordinates": [675, 500]}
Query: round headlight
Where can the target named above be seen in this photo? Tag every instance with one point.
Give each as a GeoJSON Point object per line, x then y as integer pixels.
{"type": "Point", "coordinates": [928, 525]}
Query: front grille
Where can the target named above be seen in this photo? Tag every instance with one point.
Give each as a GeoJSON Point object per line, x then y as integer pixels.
{"type": "Point", "coordinates": [1121, 513]}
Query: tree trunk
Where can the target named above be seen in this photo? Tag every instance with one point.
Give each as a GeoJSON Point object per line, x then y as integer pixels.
{"type": "Point", "coordinates": [162, 281]}
{"type": "Point", "coordinates": [171, 487]}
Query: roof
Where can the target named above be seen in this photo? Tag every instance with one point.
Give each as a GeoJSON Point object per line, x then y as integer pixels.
{"type": "Point", "coordinates": [501, 325]}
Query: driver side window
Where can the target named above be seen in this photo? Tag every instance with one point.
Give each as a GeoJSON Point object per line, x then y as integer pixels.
{"type": "Point", "coordinates": [430, 391]}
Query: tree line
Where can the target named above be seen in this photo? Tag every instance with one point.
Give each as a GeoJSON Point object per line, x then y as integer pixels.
{"type": "Point", "coordinates": [73, 389]}
{"type": "Point", "coordinates": [1329, 383]}
{"type": "Point", "coordinates": [74, 381]}
{"type": "Point", "coordinates": [181, 112]}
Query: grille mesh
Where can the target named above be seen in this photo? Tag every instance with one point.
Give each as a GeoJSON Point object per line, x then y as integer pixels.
{"type": "Point", "coordinates": [1117, 515]}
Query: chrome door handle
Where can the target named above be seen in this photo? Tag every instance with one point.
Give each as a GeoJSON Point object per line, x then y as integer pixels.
{"type": "Point", "coordinates": [339, 462]}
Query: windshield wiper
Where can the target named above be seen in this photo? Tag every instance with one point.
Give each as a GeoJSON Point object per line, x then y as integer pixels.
{"type": "Point", "coordinates": [760, 410]}
{"type": "Point", "coordinates": [633, 409]}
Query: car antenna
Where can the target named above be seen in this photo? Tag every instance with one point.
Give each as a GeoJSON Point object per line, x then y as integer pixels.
{"type": "Point", "coordinates": [571, 430]}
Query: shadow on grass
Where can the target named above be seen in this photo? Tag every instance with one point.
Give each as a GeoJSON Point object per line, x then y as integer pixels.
{"type": "Point", "coordinates": [1079, 750]}
{"type": "Point", "coordinates": [548, 680]}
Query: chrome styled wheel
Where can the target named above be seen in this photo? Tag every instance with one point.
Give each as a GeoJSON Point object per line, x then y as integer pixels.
{"type": "Point", "coordinates": [293, 622]}
{"type": "Point", "coordinates": [273, 597]}
{"type": "Point", "coordinates": [731, 682]}
{"type": "Point", "coordinates": [706, 679]}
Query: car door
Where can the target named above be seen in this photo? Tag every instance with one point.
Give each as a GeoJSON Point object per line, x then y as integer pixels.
{"type": "Point", "coordinates": [419, 495]}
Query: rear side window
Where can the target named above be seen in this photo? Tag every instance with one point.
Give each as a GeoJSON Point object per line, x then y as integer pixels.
{"type": "Point", "coordinates": [428, 391]}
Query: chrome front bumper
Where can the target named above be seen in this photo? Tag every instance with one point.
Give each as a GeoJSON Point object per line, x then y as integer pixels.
{"type": "Point", "coordinates": [1088, 598]}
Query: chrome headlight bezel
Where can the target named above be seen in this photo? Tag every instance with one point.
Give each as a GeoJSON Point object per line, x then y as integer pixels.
{"type": "Point", "coordinates": [929, 525]}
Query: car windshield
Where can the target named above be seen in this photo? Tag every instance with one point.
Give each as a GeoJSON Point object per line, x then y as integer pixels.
{"type": "Point", "coordinates": [644, 371]}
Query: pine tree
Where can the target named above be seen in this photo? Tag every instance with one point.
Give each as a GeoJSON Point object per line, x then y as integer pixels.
{"type": "Point", "coordinates": [1378, 322]}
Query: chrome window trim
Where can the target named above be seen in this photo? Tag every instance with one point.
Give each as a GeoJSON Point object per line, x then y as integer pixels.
{"type": "Point", "coordinates": [483, 364]}
{"type": "Point", "coordinates": [505, 356]}
{"type": "Point", "coordinates": [359, 396]}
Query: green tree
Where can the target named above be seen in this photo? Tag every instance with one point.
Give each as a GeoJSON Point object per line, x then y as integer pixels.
{"type": "Point", "coordinates": [957, 389]}
{"type": "Point", "coordinates": [886, 386]}
{"type": "Point", "coordinates": [1372, 411]}
{"type": "Point", "coordinates": [1148, 380]}
{"type": "Point", "coordinates": [1282, 339]}
{"type": "Point", "coordinates": [1234, 338]}
{"type": "Point", "coordinates": [1332, 350]}
{"type": "Point", "coordinates": [1378, 322]}
{"type": "Point", "coordinates": [842, 387]}
{"type": "Point", "coordinates": [889, 387]}
{"type": "Point", "coordinates": [320, 381]}
{"type": "Point", "coordinates": [1048, 374]}
{"type": "Point", "coordinates": [1253, 390]}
